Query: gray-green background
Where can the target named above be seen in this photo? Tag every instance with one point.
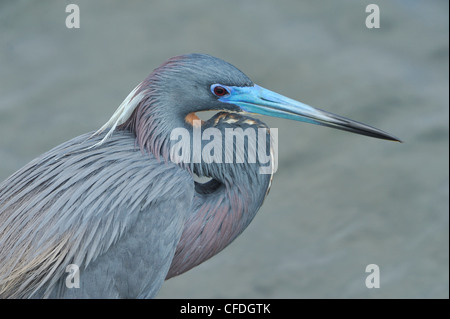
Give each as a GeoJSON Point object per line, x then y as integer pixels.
{"type": "Point", "coordinates": [339, 201]}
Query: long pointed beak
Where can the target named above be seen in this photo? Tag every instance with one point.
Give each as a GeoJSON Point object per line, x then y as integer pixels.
{"type": "Point", "coordinates": [256, 99]}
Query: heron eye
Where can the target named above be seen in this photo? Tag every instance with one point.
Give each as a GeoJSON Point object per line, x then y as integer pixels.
{"type": "Point", "coordinates": [219, 90]}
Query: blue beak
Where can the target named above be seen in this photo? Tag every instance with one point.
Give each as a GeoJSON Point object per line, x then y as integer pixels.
{"type": "Point", "coordinates": [256, 99]}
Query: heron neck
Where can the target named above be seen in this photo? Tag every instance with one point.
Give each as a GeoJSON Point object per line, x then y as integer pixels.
{"type": "Point", "coordinates": [217, 219]}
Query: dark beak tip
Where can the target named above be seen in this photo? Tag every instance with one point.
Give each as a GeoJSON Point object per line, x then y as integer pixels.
{"type": "Point", "coordinates": [390, 138]}
{"type": "Point", "coordinates": [395, 139]}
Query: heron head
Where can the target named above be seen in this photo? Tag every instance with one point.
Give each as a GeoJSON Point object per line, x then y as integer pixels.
{"type": "Point", "coordinates": [185, 81]}
{"type": "Point", "coordinates": [191, 83]}
{"type": "Point", "coordinates": [200, 82]}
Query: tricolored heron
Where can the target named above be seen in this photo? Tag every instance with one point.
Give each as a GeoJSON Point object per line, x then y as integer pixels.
{"type": "Point", "coordinates": [116, 203]}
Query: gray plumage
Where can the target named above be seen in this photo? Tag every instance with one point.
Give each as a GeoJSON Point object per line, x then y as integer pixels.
{"type": "Point", "coordinates": [72, 205]}
{"type": "Point", "coordinates": [122, 214]}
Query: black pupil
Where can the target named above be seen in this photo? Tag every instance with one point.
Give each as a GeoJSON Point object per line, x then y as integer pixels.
{"type": "Point", "coordinates": [218, 90]}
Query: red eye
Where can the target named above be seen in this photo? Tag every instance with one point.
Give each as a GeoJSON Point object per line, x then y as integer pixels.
{"type": "Point", "coordinates": [220, 91]}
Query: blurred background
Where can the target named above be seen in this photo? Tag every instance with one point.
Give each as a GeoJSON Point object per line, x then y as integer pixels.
{"type": "Point", "coordinates": [338, 201]}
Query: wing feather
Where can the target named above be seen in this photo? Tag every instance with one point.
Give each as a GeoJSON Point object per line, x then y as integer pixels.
{"type": "Point", "coordinates": [91, 206]}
